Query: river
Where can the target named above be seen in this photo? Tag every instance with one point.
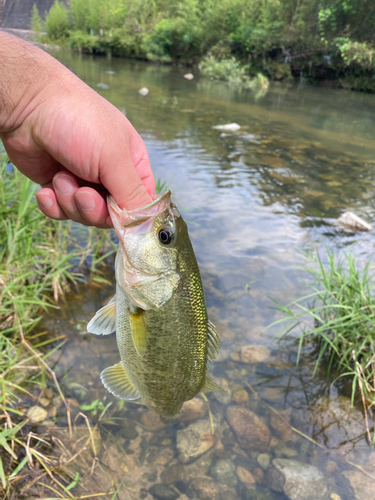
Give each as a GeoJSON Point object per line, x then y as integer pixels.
{"type": "Point", "coordinates": [255, 200]}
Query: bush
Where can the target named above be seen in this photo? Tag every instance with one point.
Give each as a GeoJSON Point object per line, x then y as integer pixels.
{"type": "Point", "coordinates": [36, 22]}
{"type": "Point", "coordinates": [57, 22]}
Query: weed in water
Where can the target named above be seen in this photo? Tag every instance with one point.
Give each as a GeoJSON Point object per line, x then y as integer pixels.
{"type": "Point", "coordinates": [339, 318]}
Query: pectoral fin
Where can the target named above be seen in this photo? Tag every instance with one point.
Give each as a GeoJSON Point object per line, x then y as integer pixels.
{"type": "Point", "coordinates": [210, 386]}
{"type": "Point", "coordinates": [139, 333]}
{"type": "Point", "coordinates": [104, 321]}
{"type": "Point", "coordinates": [117, 381]}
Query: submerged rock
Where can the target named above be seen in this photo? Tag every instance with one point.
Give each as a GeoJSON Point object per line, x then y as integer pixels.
{"type": "Point", "coordinates": [254, 353]}
{"type": "Point", "coordinates": [143, 91]}
{"type": "Point", "coordinates": [204, 487]}
{"type": "Point", "coordinates": [224, 471]}
{"type": "Point", "coordinates": [189, 76]}
{"type": "Point", "coordinates": [192, 410]}
{"type": "Point", "coordinates": [245, 476]}
{"type": "Point", "coordinates": [163, 492]}
{"type": "Point", "coordinates": [36, 414]}
{"type": "Point", "coordinates": [194, 440]}
{"type": "Point", "coordinates": [363, 488]}
{"type": "Point", "coordinates": [251, 431]}
{"type": "Point", "coordinates": [352, 221]}
{"type": "Point", "coordinates": [299, 481]}
{"type": "Point", "coordinates": [103, 86]}
{"type": "Point", "coordinates": [152, 421]}
{"type": "Point", "coordinates": [228, 127]}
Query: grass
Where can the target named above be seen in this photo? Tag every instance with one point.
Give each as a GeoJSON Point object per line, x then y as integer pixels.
{"type": "Point", "coordinates": [338, 318]}
{"type": "Point", "coordinates": [40, 260]}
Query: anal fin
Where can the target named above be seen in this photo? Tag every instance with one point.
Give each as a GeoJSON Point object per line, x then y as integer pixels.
{"type": "Point", "coordinates": [104, 321]}
{"type": "Point", "coordinates": [116, 380]}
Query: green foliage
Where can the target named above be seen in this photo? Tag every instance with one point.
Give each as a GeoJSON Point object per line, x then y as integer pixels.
{"type": "Point", "coordinates": [230, 70]}
{"type": "Point", "coordinates": [57, 22]}
{"type": "Point", "coordinates": [317, 38]}
{"type": "Point", "coordinates": [36, 22]}
{"type": "Point", "coordinates": [339, 320]}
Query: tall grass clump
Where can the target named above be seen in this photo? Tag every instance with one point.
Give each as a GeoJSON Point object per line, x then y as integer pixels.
{"type": "Point", "coordinates": [40, 259]}
{"type": "Point", "coordinates": [338, 318]}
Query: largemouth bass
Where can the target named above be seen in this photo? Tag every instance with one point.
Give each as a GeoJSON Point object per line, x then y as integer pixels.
{"type": "Point", "coordinates": [159, 313]}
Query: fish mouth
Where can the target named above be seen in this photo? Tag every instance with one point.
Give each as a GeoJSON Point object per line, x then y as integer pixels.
{"type": "Point", "coordinates": [131, 218]}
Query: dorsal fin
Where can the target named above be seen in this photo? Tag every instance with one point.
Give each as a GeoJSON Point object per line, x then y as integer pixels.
{"type": "Point", "coordinates": [139, 332]}
{"type": "Point", "coordinates": [116, 380]}
{"type": "Point", "coordinates": [104, 321]}
{"type": "Point", "coordinates": [213, 344]}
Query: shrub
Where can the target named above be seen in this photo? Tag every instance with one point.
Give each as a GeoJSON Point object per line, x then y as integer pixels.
{"type": "Point", "coordinates": [36, 22]}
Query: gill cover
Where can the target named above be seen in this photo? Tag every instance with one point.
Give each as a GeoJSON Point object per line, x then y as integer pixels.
{"type": "Point", "coordinates": [146, 269]}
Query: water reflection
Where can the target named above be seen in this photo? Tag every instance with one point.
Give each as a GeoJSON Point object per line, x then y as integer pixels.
{"type": "Point", "coordinates": [253, 199]}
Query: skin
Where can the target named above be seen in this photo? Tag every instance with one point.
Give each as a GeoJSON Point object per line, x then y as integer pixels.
{"type": "Point", "coordinates": [64, 136]}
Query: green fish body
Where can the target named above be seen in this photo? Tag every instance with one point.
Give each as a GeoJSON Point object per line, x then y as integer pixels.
{"type": "Point", "coordinates": [159, 313]}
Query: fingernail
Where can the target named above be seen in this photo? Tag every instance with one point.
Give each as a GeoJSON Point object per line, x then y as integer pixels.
{"type": "Point", "coordinates": [44, 202]}
{"type": "Point", "coordinates": [63, 184]}
{"type": "Point", "coordinates": [86, 201]}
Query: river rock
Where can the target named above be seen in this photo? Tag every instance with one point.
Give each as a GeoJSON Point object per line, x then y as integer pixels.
{"type": "Point", "coordinates": [143, 91]}
{"type": "Point", "coordinates": [189, 76]}
{"type": "Point", "coordinates": [363, 487]}
{"type": "Point", "coordinates": [192, 410]}
{"type": "Point", "coordinates": [240, 396]}
{"type": "Point", "coordinates": [224, 471]}
{"type": "Point", "coordinates": [254, 353]}
{"type": "Point", "coordinates": [251, 431]}
{"type": "Point", "coordinates": [244, 475]}
{"type": "Point", "coordinates": [36, 414]}
{"type": "Point", "coordinates": [258, 475]}
{"type": "Point", "coordinates": [194, 440]}
{"type": "Point", "coordinates": [281, 424]}
{"type": "Point", "coordinates": [152, 421]}
{"type": "Point", "coordinates": [352, 221]}
{"type": "Point", "coordinates": [162, 491]}
{"type": "Point", "coordinates": [103, 86]}
{"type": "Point", "coordinates": [264, 460]}
{"type": "Point", "coordinates": [299, 481]}
{"type": "Point", "coordinates": [228, 127]}
{"type": "Point", "coordinates": [204, 487]}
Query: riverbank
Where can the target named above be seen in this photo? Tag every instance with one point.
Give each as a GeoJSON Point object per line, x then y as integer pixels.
{"type": "Point", "coordinates": [330, 45]}
{"type": "Point", "coordinates": [40, 261]}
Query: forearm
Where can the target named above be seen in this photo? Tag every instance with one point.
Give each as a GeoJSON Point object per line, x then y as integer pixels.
{"type": "Point", "coordinates": [28, 75]}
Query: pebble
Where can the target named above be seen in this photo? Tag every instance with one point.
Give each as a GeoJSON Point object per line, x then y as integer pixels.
{"type": "Point", "coordinates": [162, 491]}
{"type": "Point", "coordinates": [194, 440]}
{"type": "Point", "coordinates": [332, 467]}
{"type": "Point", "coordinates": [335, 496]}
{"type": "Point", "coordinates": [258, 475]}
{"type": "Point", "coordinates": [189, 76]}
{"type": "Point", "coordinates": [152, 421]}
{"type": "Point", "coordinates": [254, 353]}
{"type": "Point", "coordinates": [281, 424]}
{"type": "Point", "coordinates": [251, 431]}
{"type": "Point", "coordinates": [244, 475]}
{"type": "Point", "coordinates": [241, 396]}
{"type": "Point", "coordinates": [36, 414]}
{"type": "Point", "coordinates": [192, 410]}
{"type": "Point", "coordinates": [224, 471]}
{"type": "Point", "coordinates": [205, 488]}
{"type": "Point", "coordinates": [164, 457]}
{"type": "Point", "coordinates": [143, 91]}
{"type": "Point", "coordinates": [44, 401]}
{"type": "Point", "coordinates": [264, 460]}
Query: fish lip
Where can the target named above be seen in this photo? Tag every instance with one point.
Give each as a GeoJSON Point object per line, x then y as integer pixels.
{"type": "Point", "coordinates": [129, 218]}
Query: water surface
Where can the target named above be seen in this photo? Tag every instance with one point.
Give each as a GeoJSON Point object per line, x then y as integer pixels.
{"type": "Point", "coordinates": [254, 200]}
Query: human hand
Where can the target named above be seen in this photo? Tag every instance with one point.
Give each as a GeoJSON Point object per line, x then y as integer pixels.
{"type": "Point", "coordinates": [63, 135]}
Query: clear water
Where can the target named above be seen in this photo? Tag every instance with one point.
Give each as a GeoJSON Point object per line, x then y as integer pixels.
{"type": "Point", "coordinates": [254, 200]}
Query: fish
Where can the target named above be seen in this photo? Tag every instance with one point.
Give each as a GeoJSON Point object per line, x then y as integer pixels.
{"type": "Point", "coordinates": [163, 334]}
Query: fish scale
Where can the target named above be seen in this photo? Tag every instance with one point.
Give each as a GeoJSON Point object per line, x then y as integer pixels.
{"type": "Point", "coordinates": [163, 333]}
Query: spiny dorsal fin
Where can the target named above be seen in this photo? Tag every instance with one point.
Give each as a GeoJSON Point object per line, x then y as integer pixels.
{"type": "Point", "coordinates": [210, 386]}
{"type": "Point", "coordinates": [117, 381]}
{"type": "Point", "coordinates": [104, 321]}
{"type": "Point", "coordinates": [213, 341]}
{"type": "Point", "coordinates": [139, 333]}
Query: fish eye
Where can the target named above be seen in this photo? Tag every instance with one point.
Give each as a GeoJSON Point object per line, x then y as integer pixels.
{"type": "Point", "coordinates": [165, 236]}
